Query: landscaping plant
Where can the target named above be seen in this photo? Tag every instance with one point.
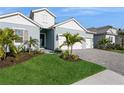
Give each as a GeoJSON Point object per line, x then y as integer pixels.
{"type": "Point", "coordinates": [31, 43]}
{"type": "Point", "coordinates": [67, 41]}
{"type": "Point", "coordinates": [7, 38]}
{"type": "Point", "coordinates": [103, 43]}
{"type": "Point", "coordinates": [70, 41]}
{"type": "Point", "coordinates": [121, 34]}
{"type": "Point", "coordinates": [74, 39]}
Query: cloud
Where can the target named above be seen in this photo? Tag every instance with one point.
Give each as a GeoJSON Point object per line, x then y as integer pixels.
{"type": "Point", "coordinates": [77, 12]}
{"type": "Point", "coordinates": [89, 11]}
{"type": "Point", "coordinates": [103, 9]}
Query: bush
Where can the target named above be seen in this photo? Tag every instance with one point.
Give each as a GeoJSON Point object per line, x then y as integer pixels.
{"type": "Point", "coordinates": [73, 57]}
{"type": "Point", "coordinates": [65, 55]}
{"type": "Point", "coordinates": [114, 46]}
{"type": "Point", "coordinates": [58, 50]}
{"type": "Point", "coordinates": [110, 46]}
{"type": "Point", "coordinates": [118, 47]}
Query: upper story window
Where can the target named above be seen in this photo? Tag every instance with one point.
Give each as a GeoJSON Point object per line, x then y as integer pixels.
{"type": "Point", "coordinates": [19, 32]}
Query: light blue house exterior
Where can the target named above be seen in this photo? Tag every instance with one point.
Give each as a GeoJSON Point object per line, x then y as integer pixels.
{"type": "Point", "coordinates": [41, 26]}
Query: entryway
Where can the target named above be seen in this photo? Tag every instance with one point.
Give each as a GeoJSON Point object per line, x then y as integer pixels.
{"type": "Point", "coordinates": [42, 40]}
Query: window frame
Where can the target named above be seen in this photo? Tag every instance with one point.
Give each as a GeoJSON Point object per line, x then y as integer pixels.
{"type": "Point", "coordinates": [19, 36]}
{"type": "Point", "coordinates": [111, 38]}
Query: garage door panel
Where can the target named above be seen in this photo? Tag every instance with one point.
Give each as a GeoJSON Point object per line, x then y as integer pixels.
{"type": "Point", "coordinates": [77, 45]}
{"type": "Point", "coordinates": [89, 43]}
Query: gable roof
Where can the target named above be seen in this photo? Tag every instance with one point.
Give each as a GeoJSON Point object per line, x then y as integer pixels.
{"type": "Point", "coordinates": [71, 19]}
{"type": "Point", "coordinates": [101, 30]}
{"type": "Point", "coordinates": [20, 14]}
{"type": "Point", "coordinates": [43, 9]}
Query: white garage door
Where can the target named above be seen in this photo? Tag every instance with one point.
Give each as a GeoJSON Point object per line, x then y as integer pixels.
{"type": "Point", "coordinates": [89, 43]}
{"type": "Point", "coordinates": [76, 46]}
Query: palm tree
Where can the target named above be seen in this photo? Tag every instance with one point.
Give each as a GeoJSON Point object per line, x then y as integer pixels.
{"type": "Point", "coordinates": [7, 38]}
{"type": "Point", "coordinates": [121, 34]}
{"type": "Point", "coordinates": [71, 40]}
{"type": "Point", "coordinates": [74, 39]}
{"type": "Point", "coordinates": [67, 41]}
{"type": "Point", "coordinates": [31, 42]}
{"type": "Point", "coordinates": [2, 52]}
{"type": "Point", "coordinates": [104, 42]}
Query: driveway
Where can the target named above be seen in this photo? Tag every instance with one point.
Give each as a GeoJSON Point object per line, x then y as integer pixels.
{"type": "Point", "coordinates": [111, 60]}
{"type": "Point", "coordinates": [106, 77]}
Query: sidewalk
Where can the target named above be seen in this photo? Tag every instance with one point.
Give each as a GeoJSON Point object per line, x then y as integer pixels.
{"type": "Point", "coordinates": [106, 77]}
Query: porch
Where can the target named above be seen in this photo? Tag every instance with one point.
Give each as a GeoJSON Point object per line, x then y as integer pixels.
{"type": "Point", "coordinates": [46, 39]}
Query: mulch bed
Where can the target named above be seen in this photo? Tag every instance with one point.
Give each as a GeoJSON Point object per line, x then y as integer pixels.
{"type": "Point", "coordinates": [10, 61]}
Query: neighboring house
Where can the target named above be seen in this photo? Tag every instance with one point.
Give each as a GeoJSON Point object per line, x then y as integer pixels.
{"type": "Point", "coordinates": [104, 32]}
{"type": "Point", "coordinates": [42, 25]}
{"type": "Point", "coordinates": [120, 38]}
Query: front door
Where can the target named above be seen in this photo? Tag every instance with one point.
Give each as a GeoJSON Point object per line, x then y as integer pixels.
{"type": "Point", "coordinates": [42, 40]}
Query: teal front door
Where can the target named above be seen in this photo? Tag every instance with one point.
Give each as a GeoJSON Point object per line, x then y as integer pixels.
{"type": "Point", "coordinates": [42, 40]}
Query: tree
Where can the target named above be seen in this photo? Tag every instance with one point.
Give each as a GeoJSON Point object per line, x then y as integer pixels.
{"type": "Point", "coordinates": [67, 41]}
{"type": "Point", "coordinates": [121, 34]}
{"type": "Point", "coordinates": [75, 39]}
{"type": "Point", "coordinates": [71, 40]}
{"type": "Point", "coordinates": [104, 42]}
{"type": "Point", "coordinates": [31, 42]}
{"type": "Point", "coordinates": [7, 37]}
{"type": "Point", "coordinates": [2, 52]}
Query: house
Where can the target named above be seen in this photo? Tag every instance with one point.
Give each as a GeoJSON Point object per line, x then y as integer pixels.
{"type": "Point", "coordinates": [104, 32]}
{"type": "Point", "coordinates": [41, 25]}
{"type": "Point", "coordinates": [120, 37]}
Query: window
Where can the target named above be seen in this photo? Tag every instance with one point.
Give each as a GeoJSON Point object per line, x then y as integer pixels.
{"type": "Point", "coordinates": [111, 39]}
{"type": "Point", "coordinates": [19, 32]}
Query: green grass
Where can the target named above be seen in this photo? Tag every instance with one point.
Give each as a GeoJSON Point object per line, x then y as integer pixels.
{"type": "Point", "coordinates": [48, 69]}
{"type": "Point", "coordinates": [118, 51]}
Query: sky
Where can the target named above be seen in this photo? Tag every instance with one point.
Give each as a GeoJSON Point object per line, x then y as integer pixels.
{"type": "Point", "coordinates": [87, 16]}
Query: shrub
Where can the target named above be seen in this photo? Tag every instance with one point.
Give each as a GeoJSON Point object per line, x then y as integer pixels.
{"type": "Point", "coordinates": [21, 48]}
{"type": "Point", "coordinates": [71, 57]}
{"type": "Point", "coordinates": [58, 50]}
{"type": "Point", "coordinates": [103, 43]}
{"type": "Point", "coordinates": [110, 46]}
{"type": "Point", "coordinates": [114, 46]}
{"type": "Point", "coordinates": [118, 47]}
{"type": "Point", "coordinates": [2, 53]}
{"type": "Point", "coordinates": [65, 54]}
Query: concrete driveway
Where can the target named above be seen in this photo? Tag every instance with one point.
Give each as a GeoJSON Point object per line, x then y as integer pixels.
{"type": "Point", "coordinates": [106, 77]}
{"type": "Point", "coordinates": [111, 60]}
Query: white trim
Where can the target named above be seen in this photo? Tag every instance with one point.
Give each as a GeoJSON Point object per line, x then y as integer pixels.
{"type": "Point", "coordinates": [18, 43]}
{"type": "Point", "coordinates": [18, 13]}
{"type": "Point", "coordinates": [18, 28]}
{"type": "Point", "coordinates": [38, 10]}
{"type": "Point", "coordinates": [79, 34]}
{"type": "Point", "coordinates": [44, 39]}
{"type": "Point", "coordinates": [72, 19]}
{"type": "Point", "coordinates": [91, 32]}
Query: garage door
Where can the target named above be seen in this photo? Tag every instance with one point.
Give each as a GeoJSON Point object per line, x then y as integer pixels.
{"type": "Point", "coordinates": [89, 43]}
{"type": "Point", "coordinates": [76, 46]}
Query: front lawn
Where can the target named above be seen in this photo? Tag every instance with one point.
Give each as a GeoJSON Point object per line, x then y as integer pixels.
{"type": "Point", "coordinates": [118, 51]}
{"type": "Point", "coordinates": [48, 69]}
